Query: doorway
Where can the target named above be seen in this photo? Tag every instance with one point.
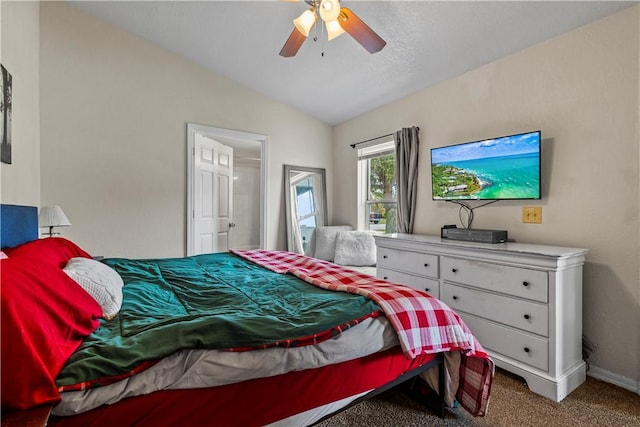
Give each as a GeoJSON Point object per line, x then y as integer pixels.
{"type": "Point", "coordinates": [218, 221]}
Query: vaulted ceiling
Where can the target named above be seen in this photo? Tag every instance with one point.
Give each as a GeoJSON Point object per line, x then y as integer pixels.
{"type": "Point", "coordinates": [427, 42]}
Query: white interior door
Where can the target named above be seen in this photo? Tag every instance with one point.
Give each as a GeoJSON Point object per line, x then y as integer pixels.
{"type": "Point", "coordinates": [249, 145]}
{"type": "Point", "coordinates": [213, 204]}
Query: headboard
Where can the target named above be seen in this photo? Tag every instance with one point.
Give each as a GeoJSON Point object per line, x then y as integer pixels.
{"type": "Point", "coordinates": [18, 224]}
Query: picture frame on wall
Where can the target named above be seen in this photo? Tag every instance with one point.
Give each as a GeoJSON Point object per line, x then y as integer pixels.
{"type": "Point", "coordinates": [5, 115]}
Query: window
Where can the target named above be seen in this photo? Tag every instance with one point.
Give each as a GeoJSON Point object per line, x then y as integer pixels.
{"type": "Point", "coordinates": [377, 189]}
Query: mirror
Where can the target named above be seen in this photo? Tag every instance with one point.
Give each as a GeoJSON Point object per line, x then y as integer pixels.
{"type": "Point", "coordinates": [305, 204]}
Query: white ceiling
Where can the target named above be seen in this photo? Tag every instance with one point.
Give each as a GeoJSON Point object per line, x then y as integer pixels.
{"type": "Point", "coordinates": [427, 42]}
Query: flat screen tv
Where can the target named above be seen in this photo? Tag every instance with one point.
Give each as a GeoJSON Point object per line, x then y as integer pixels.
{"type": "Point", "coordinates": [505, 168]}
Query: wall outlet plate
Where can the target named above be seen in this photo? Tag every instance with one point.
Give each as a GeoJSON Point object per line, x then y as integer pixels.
{"type": "Point", "coordinates": [532, 214]}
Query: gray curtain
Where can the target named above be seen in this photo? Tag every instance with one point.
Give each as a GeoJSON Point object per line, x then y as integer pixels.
{"type": "Point", "coordinates": [407, 142]}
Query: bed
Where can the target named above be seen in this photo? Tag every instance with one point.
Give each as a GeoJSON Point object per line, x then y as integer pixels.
{"type": "Point", "coordinates": [244, 338]}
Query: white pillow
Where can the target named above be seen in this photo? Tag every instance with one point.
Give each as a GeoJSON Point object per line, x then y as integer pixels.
{"type": "Point", "coordinates": [325, 241]}
{"type": "Point", "coordinates": [100, 281]}
{"type": "Point", "coordinates": [356, 248]}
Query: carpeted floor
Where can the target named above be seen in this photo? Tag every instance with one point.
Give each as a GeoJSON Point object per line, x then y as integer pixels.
{"type": "Point", "coordinates": [594, 403]}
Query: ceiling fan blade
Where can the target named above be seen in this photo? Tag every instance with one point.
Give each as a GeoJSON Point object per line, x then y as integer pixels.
{"type": "Point", "coordinates": [293, 43]}
{"type": "Point", "coordinates": [360, 31]}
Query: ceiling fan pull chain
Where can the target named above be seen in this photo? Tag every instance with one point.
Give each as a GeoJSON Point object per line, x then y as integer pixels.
{"type": "Point", "coordinates": [315, 32]}
{"type": "Point", "coordinates": [322, 38]}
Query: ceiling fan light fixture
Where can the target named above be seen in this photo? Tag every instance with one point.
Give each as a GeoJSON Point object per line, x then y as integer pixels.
{"type": "Point", "coordinates": [305, 22]}
{"type": "Point", "coordinates": [337, 20]}
{"type": "Point", "coordinates": [329, 10]}
{"type": "Point", "coordinates": [333, 29]}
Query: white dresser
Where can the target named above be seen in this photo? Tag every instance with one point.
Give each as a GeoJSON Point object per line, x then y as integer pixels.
{"type": "Point", "coordinates": [523, 302]}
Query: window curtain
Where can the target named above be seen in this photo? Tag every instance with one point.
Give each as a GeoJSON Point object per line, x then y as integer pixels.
{"type": "Point", "coordinates": [406, 144]}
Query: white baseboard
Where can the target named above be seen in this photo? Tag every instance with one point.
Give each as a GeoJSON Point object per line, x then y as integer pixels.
{"type": "Point", "coordinates": [610, 377]}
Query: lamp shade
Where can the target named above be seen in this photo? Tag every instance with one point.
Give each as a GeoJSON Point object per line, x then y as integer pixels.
{"type": "Point", "coordinates": [305, 22]}
{"type": "Point", "coordinates": [329, 10]}
{"type": "Point", "coordinates": [52, 216]}
{"type": "Point", "coordinates": [333, 29]}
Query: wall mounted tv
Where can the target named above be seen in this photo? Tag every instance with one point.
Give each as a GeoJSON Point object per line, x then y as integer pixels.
{"type": "Point", "coordinates": [505, 168]}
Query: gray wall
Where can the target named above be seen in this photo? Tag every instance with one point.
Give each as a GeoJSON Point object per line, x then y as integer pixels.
{"type": "Point", "coordinates": [19, 54]}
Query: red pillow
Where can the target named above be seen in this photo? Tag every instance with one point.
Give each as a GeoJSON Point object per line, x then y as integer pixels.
{"type": "Point", "coordinates": [45, 317]}
{"type": "Point", "coordinates": [53, 250]}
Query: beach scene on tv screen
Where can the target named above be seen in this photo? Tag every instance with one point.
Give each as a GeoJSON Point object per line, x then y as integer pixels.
{"type": "Point", "coordinates": [500, 168]}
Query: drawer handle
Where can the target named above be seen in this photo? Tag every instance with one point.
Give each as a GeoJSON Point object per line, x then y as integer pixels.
{"type": "Point", "coordinates": [385, 278]}
{"type": "Point", "coordinates": [526, 350]}
{"type": "Point", "coordinates": [455, 297]}
{"type": "Point", "coordinates": [526, 316]}
{"type": "Point", "coordinates": [427, 289]}
{"type": "Point", "coordinates": [525, 283]}
{"type": "Point", "coordinates": [384, 256]}
{"type": "Point", "coordinates": [454, 270]}
{"type": "Point", "coordinates": [426, 264]}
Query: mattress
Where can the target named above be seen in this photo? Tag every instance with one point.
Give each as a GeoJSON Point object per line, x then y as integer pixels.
{"type": "Point", "coordinates": [191, 369]}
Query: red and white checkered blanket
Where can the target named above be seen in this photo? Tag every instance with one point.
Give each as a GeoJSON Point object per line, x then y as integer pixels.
{"type": "Point", "coordinates": [424, 324]}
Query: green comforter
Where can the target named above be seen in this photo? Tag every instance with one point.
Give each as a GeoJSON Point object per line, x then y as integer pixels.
{"type": "Point", "coordinates": [214, 301]}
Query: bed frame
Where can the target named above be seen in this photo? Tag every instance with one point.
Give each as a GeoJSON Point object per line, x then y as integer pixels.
{"type": "Point", "coordinates": [436, 405]}
{"type": "Point", "coordinates": [19, 224]}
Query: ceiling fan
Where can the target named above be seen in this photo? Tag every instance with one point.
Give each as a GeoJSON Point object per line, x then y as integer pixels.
{"type": "Point", "coordinates": [337, 20]}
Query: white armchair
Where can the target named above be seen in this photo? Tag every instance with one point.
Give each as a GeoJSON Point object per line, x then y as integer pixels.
{"type": "Point", "coordinates": [342, 245]}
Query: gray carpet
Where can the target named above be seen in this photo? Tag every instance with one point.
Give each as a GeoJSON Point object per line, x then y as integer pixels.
{"type": "Point", "coordinates": [594, 403]}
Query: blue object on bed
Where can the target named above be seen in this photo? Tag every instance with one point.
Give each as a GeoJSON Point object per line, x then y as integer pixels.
{"type": "Point", "coordinates": [18, 224]}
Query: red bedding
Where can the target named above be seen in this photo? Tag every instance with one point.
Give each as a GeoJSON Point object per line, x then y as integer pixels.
{"type": "Point", "coordinates": [53, 250]}
{"type": "Point", "coordinates": [45, 316]}
{"type": "Point", "coordinates": [255, 402]}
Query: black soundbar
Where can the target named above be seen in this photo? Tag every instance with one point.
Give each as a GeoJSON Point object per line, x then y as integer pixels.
{"type": "Point", "coordinates": [473, 235]}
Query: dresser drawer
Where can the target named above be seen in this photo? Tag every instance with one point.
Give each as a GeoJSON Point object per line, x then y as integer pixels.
{"type": "Point", "coordinates": [520, 282]}
{"type": "Point", "coordinates": [510, 342]}
{"type": "Point", "coordinates": [430, 286]}
{"type": "Point", "coordinates": [407, 261]}
{"type": "Point", "coordinates": [522, 314]}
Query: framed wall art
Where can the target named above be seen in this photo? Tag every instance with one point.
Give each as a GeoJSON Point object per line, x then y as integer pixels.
{"type": "Point", "coordinates": [5, 118]}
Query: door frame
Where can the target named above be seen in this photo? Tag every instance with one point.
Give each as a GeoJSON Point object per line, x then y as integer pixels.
{"type": "Point", "coordinates": [213, 132]}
